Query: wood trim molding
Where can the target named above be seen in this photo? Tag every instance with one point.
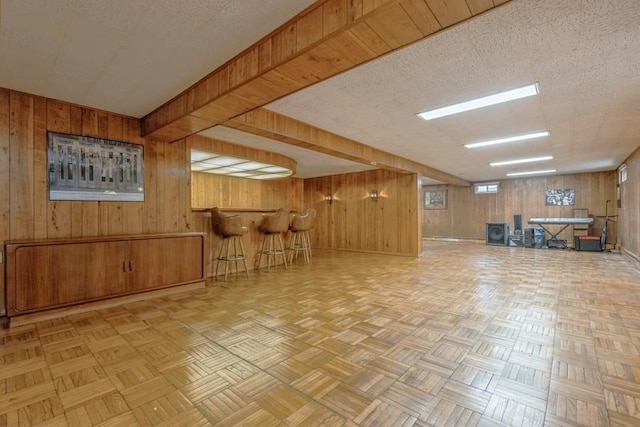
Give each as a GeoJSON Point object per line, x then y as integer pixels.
{"type": "Point", "coordinates": [272, 125]}
{"type": "Point", "coordinates": [328, 38]}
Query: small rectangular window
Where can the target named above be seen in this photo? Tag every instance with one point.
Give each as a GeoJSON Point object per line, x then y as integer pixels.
{"type": "Point", "coordinates": [486, 187]}
{"type": "Point", "coordinates": [622, 173]}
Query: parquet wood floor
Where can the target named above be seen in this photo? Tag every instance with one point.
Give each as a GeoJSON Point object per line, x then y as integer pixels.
{"type": "Point", "coordinates": [467, 335]}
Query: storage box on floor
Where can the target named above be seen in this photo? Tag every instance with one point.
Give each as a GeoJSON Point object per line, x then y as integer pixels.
{"type": "Point", "coordinates": [587, 243]}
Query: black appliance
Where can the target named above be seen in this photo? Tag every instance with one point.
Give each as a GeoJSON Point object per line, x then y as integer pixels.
{"type": "Point", "coordinates": [497, 234]}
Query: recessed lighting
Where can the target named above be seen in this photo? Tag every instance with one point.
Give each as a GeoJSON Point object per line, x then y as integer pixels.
{"type": "Point", "coordinates": [249, 166]}
{"type": "Point", "coordinates": [199, 167]}
{"type": "Point", "coordinates": [274, 169]}
{"type": "Point", "coordinates": [224, 171]}
{"type": "Point", "coordinates": [515, 162]}
{"type": "Point", "coordinates": [225, 161]}
{"type": "Point", "coordinates": [485, 101]}
{"type": "Point", "coordinates": [197, 156]}
{"type": "Point", "coordinates": [508, 139]}
{"type": "Point", "coordinates": [531, 172]}
{"type": "Point", "coordinates": [235, 166]}
{"type": "Point", "coordinates": [242, 174]}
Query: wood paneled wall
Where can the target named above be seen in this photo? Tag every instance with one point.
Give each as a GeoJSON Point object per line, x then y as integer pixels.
{"type": "Point", "coordinates": [354, 222]}
{"type": "Point", "coordinates": [467, 213]}
{"type": "Point", "coordinates": [209, 190]}
{"type": "Point", "coordinates": [27, 212]}
{"type": "Point", "coordinates": [629, 213]}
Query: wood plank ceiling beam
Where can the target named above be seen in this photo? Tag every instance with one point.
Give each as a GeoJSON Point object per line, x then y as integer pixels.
{"type": "Point", "coordinates": [281, 128]}
{"type": "Point", "coordinates": [328, 38]}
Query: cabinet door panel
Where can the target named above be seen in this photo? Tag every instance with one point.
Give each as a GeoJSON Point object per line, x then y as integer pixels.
{"type": "Point", "coordinates": [53, 275]}
{"type": "Point", "coordinates": [167, 261]}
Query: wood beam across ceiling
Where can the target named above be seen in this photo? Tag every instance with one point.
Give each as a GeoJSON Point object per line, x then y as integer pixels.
{"type": "Point", "coordinates": [328, 38]}
{"type": "Point", "coordinates": [281, 128]}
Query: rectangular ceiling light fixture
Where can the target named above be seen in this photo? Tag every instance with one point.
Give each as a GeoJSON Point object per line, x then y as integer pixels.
{"type": "Point", "coordinates": [219, 164]}
{"type": "Point", "coordinates": [531, 172]}
{"type": "Point", "coordinates": [508, 139]}
{"type": "Point", "coordinates": [485, 101]}
{"type": "Point", "coordinates": [515, 162]}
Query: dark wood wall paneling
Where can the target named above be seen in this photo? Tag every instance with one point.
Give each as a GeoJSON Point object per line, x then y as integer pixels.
{"type": "Point", "coordinates": [467, 213]}
{"type": "Point", "coordinates": [629, 219]}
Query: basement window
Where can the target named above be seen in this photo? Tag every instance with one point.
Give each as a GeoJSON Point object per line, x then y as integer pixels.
{"type": "Point", "coordinates": [486, 187]}
{"type": "Point", "coordinates": [622, 173]}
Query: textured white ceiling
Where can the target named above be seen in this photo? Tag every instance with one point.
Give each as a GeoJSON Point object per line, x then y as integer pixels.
{"type": "Point", "coordinates": [127, 56]}
{"type": "Point", "coordinates": [585, 55]}
{"type": "Point", "coordinates": [131, 56]}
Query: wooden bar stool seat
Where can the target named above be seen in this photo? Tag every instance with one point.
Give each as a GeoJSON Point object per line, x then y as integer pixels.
{"type": "Point", "coordinates": [273, 226]}
{"type": "Point", "coordinates": [300, 226]}
{"type": "Point", "coordinates": [230, 229]}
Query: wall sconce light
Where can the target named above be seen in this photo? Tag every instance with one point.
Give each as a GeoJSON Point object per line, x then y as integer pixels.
{"type": "Point", "coordinates": [328, 199]}
{"type": "Point", "coordinates": [373, 195]}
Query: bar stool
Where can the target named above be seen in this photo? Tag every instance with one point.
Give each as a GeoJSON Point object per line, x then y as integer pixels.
{"type": "Point", "coordinates": [229, 228]}
{"type": "Point", "coordinates": [300, 226]}
{"type": "Point", "coordinates": [274, 225]}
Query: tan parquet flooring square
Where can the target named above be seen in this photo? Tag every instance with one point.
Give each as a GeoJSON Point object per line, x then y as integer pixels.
{"type": "Point", "coordinates": [467, 335]}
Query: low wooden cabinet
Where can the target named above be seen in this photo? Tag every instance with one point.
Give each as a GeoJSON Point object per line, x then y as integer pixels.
{"type": "Point", "coordinates": [49, 274]}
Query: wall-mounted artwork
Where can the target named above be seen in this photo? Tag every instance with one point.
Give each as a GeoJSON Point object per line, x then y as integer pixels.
{"type": "Point", "coordinates": [435, 199]}
{"type": "Point", "coordinates": [84, 168]}
{"type": "Point", "coordinates": [562, 197]}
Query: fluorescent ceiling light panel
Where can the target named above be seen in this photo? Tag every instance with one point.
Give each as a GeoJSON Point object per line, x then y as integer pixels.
{"type": "Point", "coordinates": [508, 139]}
{"type": "Point", "coordinates": [225, 171]}
{"type": "Point", "coordinates": [531, 172]}
{"type": "Point", "coordinates": [249, 166]}
{"type": "Point", "coordinates": [515, 162]}
{"type": "Point", "coordinates": [197, 156]}
{"type": "Point", "coordinates": [199, 167]}
{"type": "Point", "coordinates": [498, 98]}
{"type": "Point", "coordinates": [274, 169]}
{"type": "Point", "coordinates": [242, 174]}
{"type": "Point", "coordinates": [235, 166]}
{"type": "Point", "coordinates": [225, 161]}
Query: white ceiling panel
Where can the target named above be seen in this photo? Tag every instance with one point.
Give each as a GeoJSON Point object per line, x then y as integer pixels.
{"type": "Point", "coordinates": [131, 56]}
{"type": "Point", "coordinates": [584, 54]}
{"type": "Point", "coordinates": [127, 56]}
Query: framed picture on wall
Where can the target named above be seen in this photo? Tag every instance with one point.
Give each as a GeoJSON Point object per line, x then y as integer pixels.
{"type": "Point", "coordinates": [85, 168]}
{"type": "Point", "coordinates": [561, 197]}
{"type": "Point", "coordinates": [435, 199]}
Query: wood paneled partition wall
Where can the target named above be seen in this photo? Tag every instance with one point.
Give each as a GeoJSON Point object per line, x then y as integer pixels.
{"type": "Point", "coordinates": [629, 219]}
{"type": "Point", "coordinates": [208, 190]}
{"type": "Point", "coordinates": [467, 213]}
{"type": "Point", "coordinates": [354, 222]}
{"type": "Point", "coordinates": [27, 212]}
